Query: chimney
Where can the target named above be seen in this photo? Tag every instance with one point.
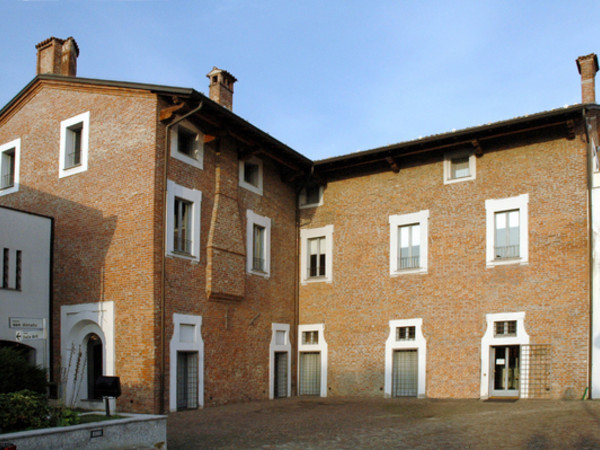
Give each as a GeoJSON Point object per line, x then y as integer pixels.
{"type": "Point", "coordinates": [587, 67]}
{"type": "Point", "coordinates": [221, 87]}
{"type": "Point", "coordinates": [57, 56]}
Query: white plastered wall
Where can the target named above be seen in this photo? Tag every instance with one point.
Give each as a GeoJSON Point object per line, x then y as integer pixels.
{"type": "Point", "coordinates": [77, 322]}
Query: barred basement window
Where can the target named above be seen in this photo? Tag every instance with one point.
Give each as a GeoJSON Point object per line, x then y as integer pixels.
{"type": "Point", "coordinates": [505, 328]}
{"type": "Point", "coordinates": [405, 333]}
{"type": "Point", "coordinates": [310, 337]}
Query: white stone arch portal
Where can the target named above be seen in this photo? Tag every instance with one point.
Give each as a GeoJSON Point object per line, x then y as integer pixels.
{"type": "Point", "coordinates": [78, 322]}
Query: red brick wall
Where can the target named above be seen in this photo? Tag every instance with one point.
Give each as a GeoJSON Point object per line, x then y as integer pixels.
{"type": "Point", "coordinates": [458, 290]}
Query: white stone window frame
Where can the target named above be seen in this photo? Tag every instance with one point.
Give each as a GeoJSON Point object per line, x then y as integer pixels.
{"type": "Point", "coordinates": [306, 234]}
{"type": "Point", "coordinates": [198, 145]}
{"type": "Point", "coordinates": [274, 347]}
{"type": "Point", "coordinates": [320, 347]}
{"type": "Point", "coordinates": [419, 344]}
{"type": "Point", "coordinates": [242, 167]}
{"type": "Point", "coordinates": [302, 199]}
{"type": "Point", "coordinates": [448, 157]}
{"type": "Point", "coordinates": [178, 344]}
{"type": "Point", "coordinates": [251, 219]}
{"type": "Point", "coordinates": [492, 207]}
{"type": "Point", "coordinates": [84, 120]}
{"type": "Point", "coordinates": [396, 221]}
{"type": "Point", "coordinates": [193, 196]}
{"type": "Point", "coordinates": [489, 340]}
{"type": "Point", "coordinates": [16, 145]}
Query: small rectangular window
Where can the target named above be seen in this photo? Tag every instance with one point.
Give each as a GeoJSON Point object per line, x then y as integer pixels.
{"type": "Point", "coordinates": [182, 229]}
{"type": "Point", "coordinates": [507, 234]}
{"type": "Point", "coordinates": [8, 169]}
{"type": "Point", "coordinates": [186, 142]}
{"type": "Point", "coordinates": [317, 259]}
{"type": "Point", "coordinates": [505, 328]}
{"type": "Point", "coordinates": [18, 271]}
{"type": "Point", "coordinates": [251, 173]}
{"type": "Point", "coordinates": [459, 167]}
{"type": "Point", "coordinates": [409, 241]}
{"type": "Point", "coordinates": [73, 148]}
{"type": "Point", "coordinates": [311, 196]}
{"type": "Point", "coordinates": [310, 337]}
{"type": "Point", "coordinates": [5, 267]}
{"type": "Point", "coordinates": [405, 333]}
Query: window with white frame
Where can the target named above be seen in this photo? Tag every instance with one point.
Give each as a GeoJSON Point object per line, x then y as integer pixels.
{"type": "Point", "coordinates": [183, 221]}
{"type": "Point", "coordinates": [312, 360]}
{"type": "Point", "coordinates": [311, 196]}
{"type": "Point", "coordinates": [507, 239]}
{"type": "Point", "coordinates": [9, 167]}
{"type": "Point", "coordinates": [251, 175]}
{"type": "Point", "coordinates": [187, 144]}
{"type": "Point", "coordinates": [258, 244]}
{"type": "Point", "coordinates": [74, 143]}
{"type": "Point", "coordinates": [459, 166]}
{"type": "Point", "coordinates": [505, 328]}
{"type": "Point", "coordinates": [405, 333]}
{"type": "Point", "coordinates": [316, 254]}
{"type": "Point", "coordinates": [408, 242]}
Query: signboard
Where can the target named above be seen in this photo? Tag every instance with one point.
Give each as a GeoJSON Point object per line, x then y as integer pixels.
{"type": "Point", "coordinates": [24, 322]}
{"type": "Point", "coordinates": [29, 335]}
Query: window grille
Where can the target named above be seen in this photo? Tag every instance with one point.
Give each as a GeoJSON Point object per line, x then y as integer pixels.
{"type": "Point", "coordinates": [405, 333]}
{"type": "Point", "coordinates": [310, 373]}
{"type": "Point", "coordinates": [182, 230]}
{"type": "Point", "coordinates": [8, 169]}
{"type": "Point", "coordinates": [187, 380]}
{"type": "Point", "coordinates": [258, 257]}
{"type": "Point", "coordinates": [536, 361]}
{"type": "Point", "coordinates": [409, 241]}
{"type": "Point", "coordinates": [310, 337]}
{"type": "Point", "coordinates": [507, 237]}
{"type": "Point", "coordinates": [281, 374]}
{"type": "Point", "coordinates": [404, 373]}
{"type": "Point", "coordinates": [73, 153]}
{"type": "Point", "coordinates": [316, 257]}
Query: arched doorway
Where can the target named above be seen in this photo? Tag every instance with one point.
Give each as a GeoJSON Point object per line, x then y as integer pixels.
{"type": "Point", "coordinates": [94, 364]}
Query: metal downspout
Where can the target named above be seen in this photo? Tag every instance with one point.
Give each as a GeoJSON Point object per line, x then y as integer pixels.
{"type": "Point", "coordinates": [163, 276]}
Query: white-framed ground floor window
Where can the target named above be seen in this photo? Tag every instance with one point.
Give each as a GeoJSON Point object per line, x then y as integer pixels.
{"type": "Point", "coordinates": [186, 374]}
{"type": "Point", "coordinates": [312, 360]}
{"type": "Point", "coordinates": [405, 359]}
{"type": "Point", "coordinates": [280, 362]}
{"type": "Point", "coordinates": [503, 373]}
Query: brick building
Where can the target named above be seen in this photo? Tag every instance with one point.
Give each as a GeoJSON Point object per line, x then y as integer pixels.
{"type": "Point", "coordinates": [203, 261]}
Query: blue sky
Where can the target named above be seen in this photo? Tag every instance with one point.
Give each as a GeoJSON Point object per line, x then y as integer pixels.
{"type": "Point", "coordinates": [326, 77]}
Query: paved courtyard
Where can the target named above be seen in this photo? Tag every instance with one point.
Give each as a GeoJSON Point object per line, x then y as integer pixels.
{"type": "Point", "coordinates": [319, 423]}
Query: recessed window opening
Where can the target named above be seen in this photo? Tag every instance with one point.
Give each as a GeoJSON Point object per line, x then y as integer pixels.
{"type": "Point", "coordinates": [459, 167]}
{"type": "Point", "coordinates": [310, 337]}
{"type": "Point", "coordinates": [507, 234]}
{"type": "Point", "coordinates": [405, 333]}
{"type": "Point", "coordinates": [8, 169]}
{"type": "Point", "coordinates": [251, 173]}
{"type": "Point", "coordinates": [186, 142]}
{"type": "Point", "coordinates": [316, 257]}
{"type": "Point", "coordinates": [5, 262]}
{"type": "Point", "coordinates": [182, 229]}
{"type": "Point", "coordinates": [409, 238]}
{"type": "Point", "coordinates": [505, 328]}
{"type": "Point", "coordinates": [73, 145]}
{"type": "Point", "coordinates": [258, 252]}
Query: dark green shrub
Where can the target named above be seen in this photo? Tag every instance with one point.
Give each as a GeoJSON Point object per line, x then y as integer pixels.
{"type": "Point", "coordinates": [17, 373]}
{"type": "Point", "coordinates": [61, 416]}
{"type": "Point", "coordinates": [23, 410]}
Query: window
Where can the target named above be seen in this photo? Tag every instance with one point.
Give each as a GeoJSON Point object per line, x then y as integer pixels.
{"type": "Point", "coordinates": [187, 145]}
{"type": "Point", "coordinates": [186, 371]}
{"type": "Point", "coordinates": [408, 243]}
{"type": "Point", "coordinates": [251, 175]}
{"type": "Point", "coordinates": [459, 166]}
{"type": "Point", "coordinates": [310, 337]}
{"type": "Point", "coordinates": [183, 221]}
{"type": "Point", "coordinates": [311, 196]}
{"type": "Point", "coordinates": [9, 167]}
{"type": "Point", "coordinates": [505, 328]}
{"type": "Point", "coordinates": [182, 226]}
{"type": "Point", "coordinates": [405, 333]}
{"type": "Point", "coordinates": [74, 137]}
{"type": "Point", "coordinates": [507, 230]}
{"type": "Point", "coordinates": [316, 254]}
{"type": "Point", "coordinates": [11, 277]}
{"type": "Point", "coordinates": [258, 245]}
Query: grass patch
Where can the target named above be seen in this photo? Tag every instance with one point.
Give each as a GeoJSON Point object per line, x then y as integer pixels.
{"type": "Point", "coordinates": [89, 418]}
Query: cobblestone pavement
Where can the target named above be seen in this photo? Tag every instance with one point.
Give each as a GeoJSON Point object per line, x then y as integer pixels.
{"type": "Point", "coordinates": [320, 423]}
